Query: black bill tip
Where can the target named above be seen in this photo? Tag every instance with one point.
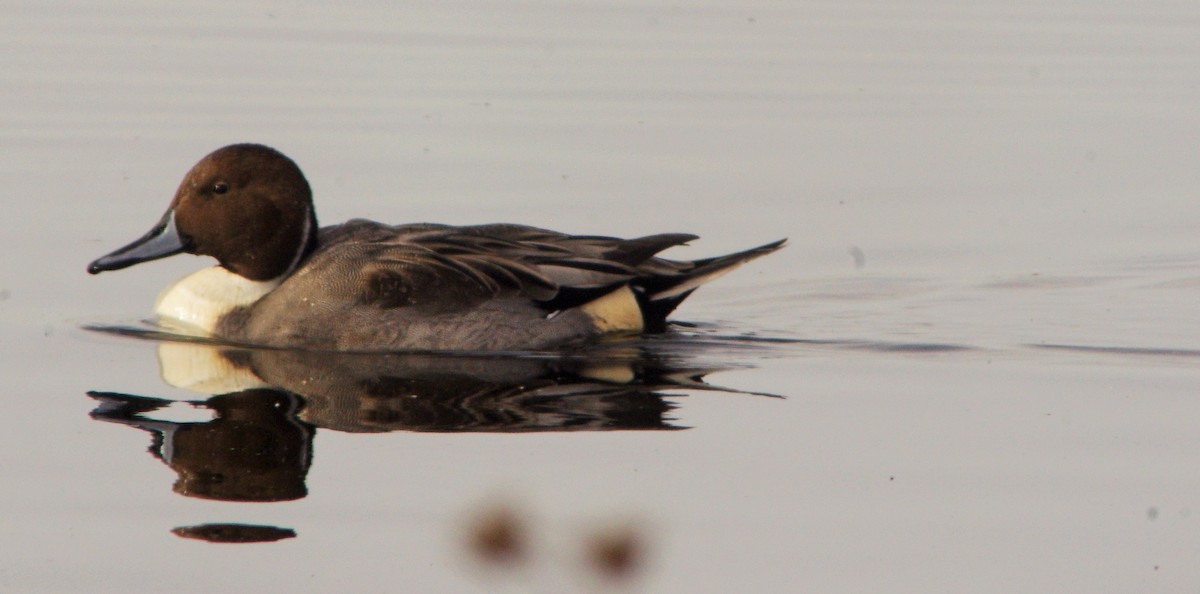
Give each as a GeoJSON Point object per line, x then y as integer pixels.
{"type": "Point", "coordinates": [162, 241]}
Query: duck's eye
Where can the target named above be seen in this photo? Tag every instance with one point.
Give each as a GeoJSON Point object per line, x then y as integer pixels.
{"type": "Point", "coordinates": [220, 188]}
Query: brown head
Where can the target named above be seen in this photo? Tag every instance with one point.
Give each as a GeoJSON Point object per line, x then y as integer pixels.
{"type": "Point", "coordinates": [247, 205]}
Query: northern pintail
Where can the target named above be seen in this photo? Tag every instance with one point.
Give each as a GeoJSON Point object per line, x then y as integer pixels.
{"type": "Point", "coordinates": [364, 286]}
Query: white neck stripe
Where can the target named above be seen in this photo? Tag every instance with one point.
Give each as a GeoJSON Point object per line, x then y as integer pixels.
{"type": "Point", "coordinates": [304, 237]}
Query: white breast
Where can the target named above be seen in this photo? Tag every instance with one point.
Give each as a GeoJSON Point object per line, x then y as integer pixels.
{"type": "Point", "coordinates": [198, 300]}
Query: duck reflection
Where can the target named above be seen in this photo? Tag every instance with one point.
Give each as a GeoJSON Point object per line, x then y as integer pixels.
{"type": "Point", "coordinates": [255, 440]}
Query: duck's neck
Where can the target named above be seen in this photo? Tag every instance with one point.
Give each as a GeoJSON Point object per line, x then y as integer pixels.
{"type": "Point", "coordinates": [199, 300]}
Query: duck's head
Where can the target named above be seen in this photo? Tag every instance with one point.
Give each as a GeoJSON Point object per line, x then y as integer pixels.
{"type": "Point", "coordinates": [247, 205]}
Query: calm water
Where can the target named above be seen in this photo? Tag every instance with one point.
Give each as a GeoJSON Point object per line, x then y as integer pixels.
{"type": "Point", "coordinates": [984, 329]}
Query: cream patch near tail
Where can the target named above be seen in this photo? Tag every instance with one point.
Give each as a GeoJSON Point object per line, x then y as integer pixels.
{"type": "Point", "coordinates": [617, 311]}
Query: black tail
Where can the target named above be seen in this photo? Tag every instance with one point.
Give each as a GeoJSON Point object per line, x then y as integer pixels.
{"type": "Point", "coordinates": [660, 295]}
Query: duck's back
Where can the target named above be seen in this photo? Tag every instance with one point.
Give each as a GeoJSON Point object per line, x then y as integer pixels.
{"type": "Point", "coordinates": [369, 286]}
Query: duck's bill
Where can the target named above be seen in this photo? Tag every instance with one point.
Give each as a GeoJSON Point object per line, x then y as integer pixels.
{"type": "Point", "coordinates": [162, 241]}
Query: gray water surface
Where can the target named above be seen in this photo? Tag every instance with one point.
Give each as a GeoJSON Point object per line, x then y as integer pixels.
{"type": "Point", "coordinates": [984, 328]}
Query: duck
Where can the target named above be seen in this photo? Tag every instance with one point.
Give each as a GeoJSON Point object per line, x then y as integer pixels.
{"type": "Point", "coordinates": [282, 281]}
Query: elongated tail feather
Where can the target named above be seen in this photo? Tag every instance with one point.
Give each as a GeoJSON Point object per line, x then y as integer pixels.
{"type": "Point", "coordinates": [660, 296]}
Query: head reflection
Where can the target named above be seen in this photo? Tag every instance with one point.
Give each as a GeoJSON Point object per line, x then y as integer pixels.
{"type": "Point", "coordinates": [253, 449]}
